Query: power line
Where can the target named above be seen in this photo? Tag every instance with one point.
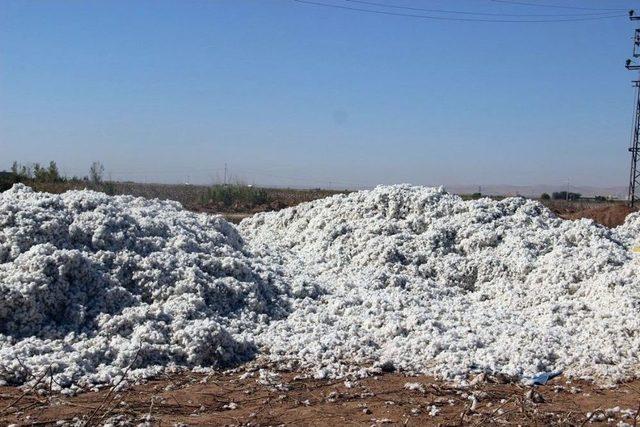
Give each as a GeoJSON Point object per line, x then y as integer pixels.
{"type": "Point", "coordinates": [446, 18]}
{"type": "Point", "coordinates": [420, 9]}
{"type": "Point", "coordinates": [555, 6]}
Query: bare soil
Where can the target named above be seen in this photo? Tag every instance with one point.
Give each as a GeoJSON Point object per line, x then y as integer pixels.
{"type": "Point", "coordinates": [232, 399]}
{"type": "Point", "coordinates": [609, 215]}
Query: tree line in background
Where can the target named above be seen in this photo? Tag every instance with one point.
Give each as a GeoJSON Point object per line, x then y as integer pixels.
{"type": "Point", "coordinates": [561, 195]}
{"type": "Point", "coordinates": [37, 173]}
{"type": "Point", "coordinates": [225, 197]}
{"type": "Point", "coordinates": [51, 173]}
{"type": "Point", "coordinates": [564, 195]}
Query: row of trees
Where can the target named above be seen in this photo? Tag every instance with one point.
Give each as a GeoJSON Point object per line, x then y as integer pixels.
{"type": "Point", "coordinates": [563, 195]}
{"type": "Point", "coordinates": [37, 172]}
{"type": "Point", "coordinates": [51, 173]}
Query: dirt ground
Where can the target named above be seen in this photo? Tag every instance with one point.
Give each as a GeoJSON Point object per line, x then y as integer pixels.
{"type": "Point", "coordinates": [609, 214]}
{"type": "Point", "coordinates": [246, 397]}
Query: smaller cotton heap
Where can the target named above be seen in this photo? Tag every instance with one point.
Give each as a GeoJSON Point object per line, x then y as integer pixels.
{"type": "Point", "coordinates": [92, 286]}
{"type": "Point", "coordinates": [415, 279]}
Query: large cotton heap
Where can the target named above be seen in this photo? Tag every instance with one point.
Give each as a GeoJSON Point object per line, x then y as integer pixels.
{"type": "Point", "coordinates": [410, 278]}
{"type": "Point", "coordinates": [420, 280]}
{"type": "Point", "coordinates": [91, 285]}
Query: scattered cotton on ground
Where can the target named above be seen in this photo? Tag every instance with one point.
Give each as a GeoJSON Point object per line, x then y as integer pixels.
{"type": "Point", "coordinates": [415, 279]}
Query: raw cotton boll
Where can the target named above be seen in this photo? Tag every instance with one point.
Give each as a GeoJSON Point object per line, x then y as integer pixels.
{"type": "Point", "coordinates": [442, 286]}
{"type": "Point", "coordinates": [302, 287]}
{"type": "Point", "coordinates": [48, 292]}
{"type": "Point", "coordinates": [205, 343]}
{"type": "Point", "coordinates": [630, 229]}
{"type": "Point", "coordinates": [91, 284]}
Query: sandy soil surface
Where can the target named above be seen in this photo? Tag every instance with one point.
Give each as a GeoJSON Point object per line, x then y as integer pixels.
{"type": "Point", "coordinates": [235, 399]}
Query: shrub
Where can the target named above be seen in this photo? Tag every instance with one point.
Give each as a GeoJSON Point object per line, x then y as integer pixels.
{"type": "Point", "coordinates": [227, 195]}
{"type": "Point", "coordinates": [562, 195]}
{"type": "Point", "coordinates": [7, 179]}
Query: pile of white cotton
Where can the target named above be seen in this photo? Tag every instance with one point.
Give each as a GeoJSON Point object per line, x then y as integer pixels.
{"type": "Point", "coordinates": [91, 285]}
{"type": "Point", "coordinates": [415, 279]}
{"type": "Point", "coordinates": [400, 277]}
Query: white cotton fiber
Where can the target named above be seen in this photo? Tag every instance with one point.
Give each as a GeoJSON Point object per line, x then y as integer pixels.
{"type": "Point", "coordinates": [90, 284]}
{"type": "Point", "coordinates": [399, 277]}
{"type": "Point", "coordinates": [420, 280]}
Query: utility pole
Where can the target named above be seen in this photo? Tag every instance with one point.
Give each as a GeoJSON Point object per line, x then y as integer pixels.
{"type": "Point", "coordinates": [225, 174]}
{"type": "Point", "coordinates": [634, 149]}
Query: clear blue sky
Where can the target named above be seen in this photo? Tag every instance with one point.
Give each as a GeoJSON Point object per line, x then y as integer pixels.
{"type": "Point", "coordinates": [297, 94]}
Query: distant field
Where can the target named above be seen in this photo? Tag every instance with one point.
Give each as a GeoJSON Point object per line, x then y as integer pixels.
{"type": "Point", "coordinates": [239, 201]}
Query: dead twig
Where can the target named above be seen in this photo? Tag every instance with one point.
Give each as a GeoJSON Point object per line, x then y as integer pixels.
{"type": "Point", "coordinates": [31, 389]}
{"type": "Point", "coordinates": [495, 411]}
{"type": "Point", "coordinates": [591, 416]}
{"type": "Point", "coordinates": [107, 398]}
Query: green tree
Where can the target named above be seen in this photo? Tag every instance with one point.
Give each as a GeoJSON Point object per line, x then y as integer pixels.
{"type": "Point", "coordinates": [39, 173]}
{"type": "Point", "coordinates": [26, 172]}
{"type": "Point", "coordinates": [53, 174]}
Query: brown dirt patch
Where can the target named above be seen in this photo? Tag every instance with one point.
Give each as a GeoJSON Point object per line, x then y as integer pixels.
{"type": "Point", "coordinates": [229, 399]}
{"type": "Point", "coordinates": [609, 216]}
